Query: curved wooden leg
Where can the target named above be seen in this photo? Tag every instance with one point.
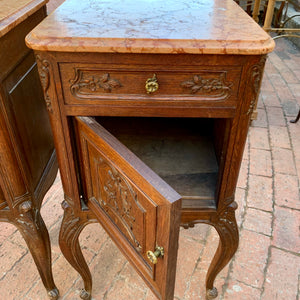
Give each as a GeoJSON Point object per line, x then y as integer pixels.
{"type": "Point", "coordinates": [227, 229]}
{"type": "Point", "coordinates": [34, 232]}
{"type": "Point", "coordinates": [71, 227]}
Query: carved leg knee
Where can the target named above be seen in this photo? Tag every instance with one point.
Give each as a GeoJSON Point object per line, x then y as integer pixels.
{"type": "Point", "coordinates": [34, 232]}
{"type": "Point", "coordinates": [71, 227]}
{"type": "Point", "coordinates": [229, 238]}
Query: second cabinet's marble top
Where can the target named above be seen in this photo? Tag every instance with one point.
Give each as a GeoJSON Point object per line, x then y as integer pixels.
{"type": "Point", "coordinates": [151, 26]}
{"type": "Point", "coordinates": [13, 12]}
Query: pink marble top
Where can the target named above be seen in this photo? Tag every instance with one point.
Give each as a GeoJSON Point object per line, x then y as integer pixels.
{"type": "Point", "coordinates": [150, 26]}
{"type": "Point", "coordinates": [13, 12]}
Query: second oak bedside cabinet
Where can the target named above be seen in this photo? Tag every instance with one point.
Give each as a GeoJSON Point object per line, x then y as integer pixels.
{"type": "Point", "coordinates": [150, 104]}
{"type": "Point", "coordinates": [28, 164]}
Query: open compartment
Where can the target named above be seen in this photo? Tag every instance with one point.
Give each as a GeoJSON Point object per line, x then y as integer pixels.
{"type": "Point", "coordinates": [182, 151]}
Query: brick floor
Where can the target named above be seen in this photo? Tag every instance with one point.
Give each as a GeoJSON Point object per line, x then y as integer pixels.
{"type": "Point", "coordinates": [267, 263]}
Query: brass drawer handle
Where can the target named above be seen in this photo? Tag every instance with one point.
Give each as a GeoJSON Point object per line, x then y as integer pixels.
{"type": "Point", "coordinates": [153, 256]}
{"type": "Point", "coordinates": [151, 84]}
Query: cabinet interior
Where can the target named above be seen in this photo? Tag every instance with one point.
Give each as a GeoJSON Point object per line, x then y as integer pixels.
{"type": "Point", "coordinates": [180, 150]}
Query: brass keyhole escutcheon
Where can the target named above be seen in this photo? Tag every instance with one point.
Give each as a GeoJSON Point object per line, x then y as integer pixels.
{"type": "Point", "coordinates": [153, 256]}
{"type": "Point", "coordinates": [151, 85]}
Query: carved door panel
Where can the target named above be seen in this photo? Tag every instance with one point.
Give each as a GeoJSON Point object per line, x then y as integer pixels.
{"type": "Point", "coordinates": [136, 207]}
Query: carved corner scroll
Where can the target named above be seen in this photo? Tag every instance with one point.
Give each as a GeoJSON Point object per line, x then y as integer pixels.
{"type": "Point", "coordinates": [255, 74]}
{"type": "Point", "coordinates": [85, 83]}
{"type": "Point", "coordinates": [227, 217]}
{"type": "Point", "coordinates": [26, 219]}
{"type": "Point", "coordinates": [251, 107]}
{"type": "Point", "coordinates": [216, 87]}
{"type": "Point", "coordinates": [43, 66]}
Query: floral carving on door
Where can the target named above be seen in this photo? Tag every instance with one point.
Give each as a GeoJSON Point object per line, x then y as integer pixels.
{"type": "Point", "coordinates": [119, 200]}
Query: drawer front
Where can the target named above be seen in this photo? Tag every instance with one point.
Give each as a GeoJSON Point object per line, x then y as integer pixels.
{"type": "Point", "coordinates": [199, 85]}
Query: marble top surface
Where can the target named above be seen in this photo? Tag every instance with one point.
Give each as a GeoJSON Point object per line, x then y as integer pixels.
{"type": "Point", "coordinates": [13, 12]}
{"type": "Point", "coordinates": [150, 26]}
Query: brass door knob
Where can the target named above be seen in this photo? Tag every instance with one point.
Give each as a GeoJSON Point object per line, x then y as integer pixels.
{"type": "Point", "coordinates": [153, 256]}
{"type": "Point", "coordinates": [151, 84]}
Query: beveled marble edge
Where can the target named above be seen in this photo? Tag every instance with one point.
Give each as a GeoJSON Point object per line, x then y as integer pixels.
{"type": "Point", "coordinates": [20, 15]}
{"type": "Point", "coordinates": [118, 45]}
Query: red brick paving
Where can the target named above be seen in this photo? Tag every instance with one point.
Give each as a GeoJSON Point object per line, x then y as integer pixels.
{"type": "Point", "coordinates": [283, 161]}
{"type": "Point", "coordinates": [286, 191]}
{"type": "Point", "coordinates": [260, 192]}
{"type": "Point", "coordinates": [267, 263]}
{"type": "Point", "coordinates": [248, 266]}
{"type": "Point", "coordinates": [286, 229]}
{"type": "Point", "coordinates": [279, 137]}
{"type": "Point", "coordinates": [275, 116]}
{"type": "Point", "coordinates": [281, 276]}
{"type": "Point", "coordinates": [258, 220]}
{"type": "Point", "coordinates": [260, 162]}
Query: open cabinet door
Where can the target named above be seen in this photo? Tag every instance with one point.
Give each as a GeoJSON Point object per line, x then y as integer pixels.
{"type": "Point", "coordinates": [139, 211]}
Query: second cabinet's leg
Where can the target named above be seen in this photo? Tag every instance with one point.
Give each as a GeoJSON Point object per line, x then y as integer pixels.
{"type": "Point", "coordinates": [71, 227]}
{"type": "Point", "coordinates": [227, 229]}
{"type": "Point", "coordinates": [34, 232]}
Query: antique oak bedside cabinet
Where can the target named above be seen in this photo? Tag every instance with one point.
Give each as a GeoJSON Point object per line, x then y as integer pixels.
{"type": "Point", "coordinates": [150, 103]}
{"type": "Point", "coordinates": [28, 163]}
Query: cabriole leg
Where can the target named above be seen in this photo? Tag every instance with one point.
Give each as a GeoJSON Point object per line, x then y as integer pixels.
{"type": "Point", "coordinates": [227, 229]}
{"type": "Point", "coordinates": [71, 227]}
{"type": "Point", "coordinates": [33, 229]}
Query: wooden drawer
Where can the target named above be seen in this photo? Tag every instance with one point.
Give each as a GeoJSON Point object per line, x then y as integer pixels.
{"type": "Point", "coordinates": [206, 86]}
